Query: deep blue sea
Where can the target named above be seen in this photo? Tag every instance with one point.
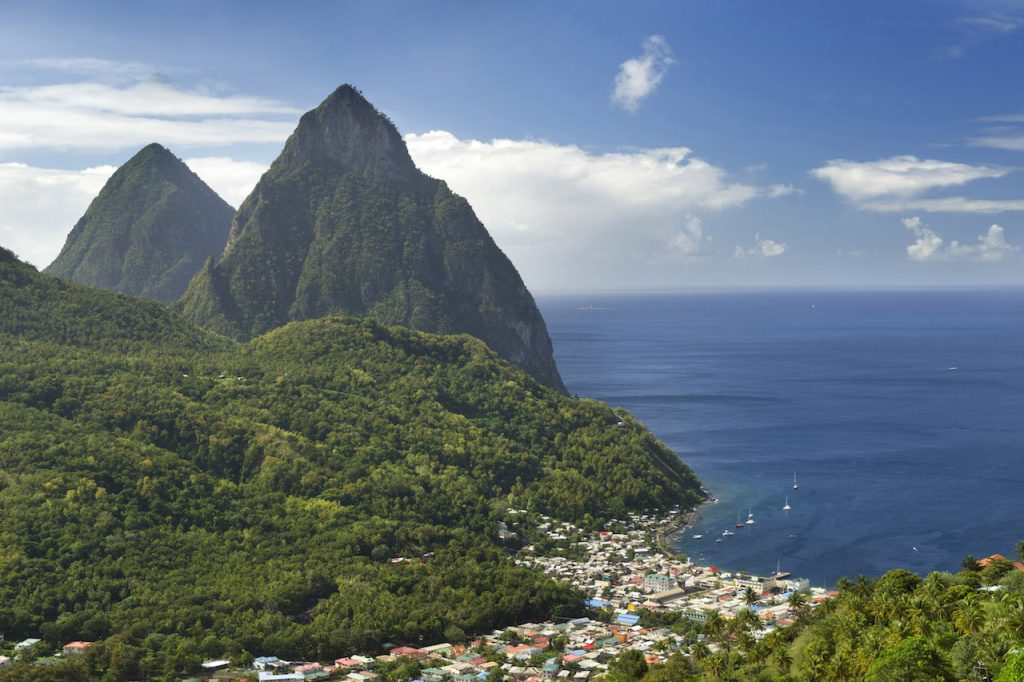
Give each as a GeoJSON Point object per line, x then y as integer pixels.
{"type": "Point", "coordinates": [900, 412]}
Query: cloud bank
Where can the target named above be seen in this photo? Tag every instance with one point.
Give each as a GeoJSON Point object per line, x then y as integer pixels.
{"type": "Point", "coordinates": [641, 76]}
{"type": "Point", "coordinates": [40, 206]}
{"type": "Point", "coordinates": [570, 218]}
{"type": "Point", "coordinates": [929, 246]}
{"type": "Point", "coordinates": [104, 116]}
{"type": "Point", "coordinates": [232, 180]}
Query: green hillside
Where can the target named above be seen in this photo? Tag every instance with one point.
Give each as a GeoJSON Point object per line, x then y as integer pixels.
{"type": "Point", "coordinates": [179, 495]}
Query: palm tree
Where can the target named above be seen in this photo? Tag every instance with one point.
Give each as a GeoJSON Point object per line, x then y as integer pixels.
{"type": "Point", "coordinates": [750, 597]}
{"type": "Point", "coordinates": [969, 617]}
{"type": "Point", "coordinates": [782, 658]}
{"type": "Point", "coordinates": [970, 563]}
{"type": "Point", "coordinates": [796, 600]}
{"type": "Point", "coordinates": [1020, 551]}
{"type": "Point", "coordinates": [700, 651]}
{"type": "Point", "coordinates": [758, 654]}
{"type": "Point", "coordinates": [714, 626]}
{"type": "Point", "coordinates": [716, 666]}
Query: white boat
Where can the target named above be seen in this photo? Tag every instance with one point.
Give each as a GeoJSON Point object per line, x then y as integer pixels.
{"type": "Point", "coordinates": [787, 507]}
{"type": "Point", "coordinates": [750, 516]}
{"type": "Point", "coordinates": [698, 536]}
{"type": "Point", "coordinates": [727, 532]}
{"type": "Point", "coordinates": [795, 486]}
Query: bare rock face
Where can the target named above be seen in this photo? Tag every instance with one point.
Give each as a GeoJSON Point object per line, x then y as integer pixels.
{"type": "Point", "coordinates": [148, 231]}
{"type": "Point", "coordinates": [344, 223]}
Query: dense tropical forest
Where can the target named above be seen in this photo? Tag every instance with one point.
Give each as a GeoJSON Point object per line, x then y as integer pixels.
{"type": "Point", "coordinates": [323, 489]}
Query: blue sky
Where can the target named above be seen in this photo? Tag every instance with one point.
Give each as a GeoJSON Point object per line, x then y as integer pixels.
{"type": "Point", "coordinates": [654, 145]}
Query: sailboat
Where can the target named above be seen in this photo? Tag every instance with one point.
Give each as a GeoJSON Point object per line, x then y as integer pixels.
{"type": "Point", "coordinates": [739, 524]}
{"type": "Point", "coordinates": [787, 507]}
{"type": "Point", "coordinates": [795, 486]}
{"type": "Point", "coordinates": [750, 516]}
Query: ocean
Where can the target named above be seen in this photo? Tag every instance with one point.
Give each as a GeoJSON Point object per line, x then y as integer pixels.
{"type": "Point", "coordinates": [901, 413]}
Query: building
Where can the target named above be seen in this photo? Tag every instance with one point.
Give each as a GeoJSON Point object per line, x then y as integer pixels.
{"type": "Point", "coordinates": [659, 582]}
{"type": "Point", "coordinates": [76, 647]}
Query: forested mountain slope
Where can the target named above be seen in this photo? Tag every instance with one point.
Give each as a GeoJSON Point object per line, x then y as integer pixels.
{"type": "Point", "coordinates": [148, 231]}
{"type": "Point", "coordinates": [177, 495]}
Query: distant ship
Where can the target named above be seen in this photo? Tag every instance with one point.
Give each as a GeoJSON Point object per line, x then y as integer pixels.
{"type": "Point", "coordinates": [739, 524]}
{"type": "Point", "coordinates": [750, 516]}
{"type": "Point", "coordinates": [698, 536]}
{"type": "Point", "coordinates": [787, 507]}
{"type": "Point", "coordinates": [727, 532]}
{"type": "Point", "coordinates": [795, 486]}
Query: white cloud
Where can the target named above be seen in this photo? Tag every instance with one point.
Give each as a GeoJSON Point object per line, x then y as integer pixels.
{"type": "Point", "coordinates": [763, 248]}
{"type": "Point", "coordinates": [1009, 138]}
{"type": "Point", "coordinates": [40, 206]}
{"type": "Point", "coordinates": [103, 69]}
{"type": "Point", "coordinates": [898, 176]}
{"type": "Point", "coordinates": [95, 115]}
{"type": "Point", "coordinates": [689, 237]}
{"type": "Point", "coordinates": [640, 76]}
{"type": "Point", "coordinates": [929, 246]}
{"type": "Point", "coordinates": [232, 180]}
{"type": "Point", "coordinates": [947, 205]}
{"type": "Point", "coordinates": [571, 218]}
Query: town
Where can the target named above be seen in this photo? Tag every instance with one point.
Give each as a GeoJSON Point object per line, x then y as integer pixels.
{"type": "Point", "coordinates": [634, 588]}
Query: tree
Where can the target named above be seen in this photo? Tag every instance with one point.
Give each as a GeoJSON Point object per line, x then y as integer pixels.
{"type": "Point", "coordinates": [912, 660]}
{"type": "Point", "coordinates": [629, 666]}
{"type": "Point", "coordinates": [970, 564]}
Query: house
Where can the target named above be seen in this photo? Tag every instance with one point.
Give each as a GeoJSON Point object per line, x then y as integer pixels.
{"type": "Point", "coordinates": [989, 559]}
{"type": "Point", "coordinates": [77, 647]}
{"type": "Point", "coordinates": [269, 663]}
{"type": "Point", "coordinates": [433, 675]}
{"type": "Point", "coordinates": [26, 643]}
{"type": "Point", "coordinates": [215, 665]}
{"type": "Point", "coordinates": [5, 660]}
{"type": "Point", "coordinates": [267, 676]}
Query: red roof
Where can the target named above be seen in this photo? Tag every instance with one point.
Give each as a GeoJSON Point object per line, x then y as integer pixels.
{"type": "Point", "coordinates": [78, 645]}
{"type": "Point", "coordinates": [989, 559]}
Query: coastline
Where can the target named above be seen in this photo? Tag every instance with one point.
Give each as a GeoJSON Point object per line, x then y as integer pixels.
{"type": "Point", "coordinates": [680, 524]}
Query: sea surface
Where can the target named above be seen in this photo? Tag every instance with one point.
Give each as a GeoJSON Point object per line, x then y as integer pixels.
{"type": "Point", "coordinates": [901, 413]}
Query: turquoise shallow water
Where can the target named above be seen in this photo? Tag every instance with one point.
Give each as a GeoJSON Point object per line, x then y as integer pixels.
{"type": "Point", "coordinates": [902, 414]}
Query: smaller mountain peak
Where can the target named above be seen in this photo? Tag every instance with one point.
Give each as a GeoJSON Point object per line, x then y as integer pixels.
{"type": "Point", "coordinates": [154, 153]}
{"type": "Point", "coordinates": [155, 148]}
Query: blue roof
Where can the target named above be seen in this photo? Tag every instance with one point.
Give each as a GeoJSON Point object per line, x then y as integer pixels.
{"type": "Point", "coordinates": [578, 652]}
{"type": "Point", "coordinates": [628, 619]}
{"type": "Point", "coordinates": [596, 603]}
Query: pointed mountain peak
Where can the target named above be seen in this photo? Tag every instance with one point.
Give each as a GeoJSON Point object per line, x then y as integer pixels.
{"type": "Point", "coordinates": [344, 223]}
{"type": "Point", "coordinates": [148, 231]}
{"type": "Point", "coordinates": [348, 131]}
